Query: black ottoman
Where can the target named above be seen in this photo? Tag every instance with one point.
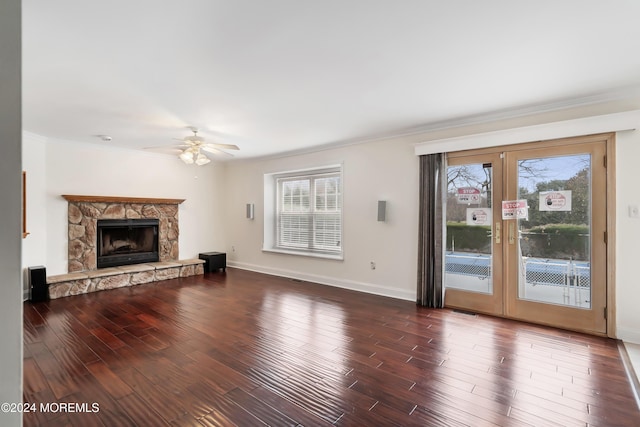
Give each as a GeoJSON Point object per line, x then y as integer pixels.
{"type": "Point", "coordinates": [214, 261]}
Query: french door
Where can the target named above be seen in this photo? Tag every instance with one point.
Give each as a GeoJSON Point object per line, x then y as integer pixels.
{"type": "Point", "coordinates": [526, 230]}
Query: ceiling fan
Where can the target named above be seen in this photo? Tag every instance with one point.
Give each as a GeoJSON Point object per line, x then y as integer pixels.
{"type": "Point", "coordinates": [193, 145]}
{"type": "Point", "coordinates": [192, 149]}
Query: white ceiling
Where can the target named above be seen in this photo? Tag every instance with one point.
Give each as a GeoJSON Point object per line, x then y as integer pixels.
{"type": "Point", "coordinates": [281, 75]}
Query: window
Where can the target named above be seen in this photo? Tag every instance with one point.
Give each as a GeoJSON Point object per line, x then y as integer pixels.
{"type": "Point", "coordinates": [308, 212]}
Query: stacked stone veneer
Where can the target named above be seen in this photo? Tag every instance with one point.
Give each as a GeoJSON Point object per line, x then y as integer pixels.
{"type": "Point", "coordinates": [83, 282]}
{"type": "Point", "coordinates": [83, 220]}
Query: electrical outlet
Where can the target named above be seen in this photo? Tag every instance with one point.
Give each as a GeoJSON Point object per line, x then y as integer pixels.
{"type": "Point", "coordinates": [233, 248]}
{"type": "Point", "coordinates": [634, 212]}
{"type": "Point", "coordinates": [373, 265]}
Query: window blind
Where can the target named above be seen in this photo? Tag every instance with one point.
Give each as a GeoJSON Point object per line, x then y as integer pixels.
{"type": "Point", "coordinates": [309, 213]}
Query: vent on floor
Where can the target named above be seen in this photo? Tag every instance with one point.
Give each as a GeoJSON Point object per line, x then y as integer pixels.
{"type": "Point", "coordinates": [467, 313]}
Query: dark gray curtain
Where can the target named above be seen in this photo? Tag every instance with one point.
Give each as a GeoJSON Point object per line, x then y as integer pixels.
{"type": "Point", "coordinates": [430, 255]}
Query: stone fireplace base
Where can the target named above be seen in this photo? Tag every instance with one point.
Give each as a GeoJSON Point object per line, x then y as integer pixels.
{"type": "Point", "coordinates": [84, 282]}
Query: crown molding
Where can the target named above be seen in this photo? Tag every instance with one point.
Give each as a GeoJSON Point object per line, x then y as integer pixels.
{"type": "Point", "coordinates": [616, 122]}
{"type": "Point", "coordinates": [34, 136]}
{"type": "Point", "coordinates": [618, 94]}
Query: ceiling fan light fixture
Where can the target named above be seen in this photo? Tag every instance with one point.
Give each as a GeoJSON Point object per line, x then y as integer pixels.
{"type": "Point", "coordinates": [202, 159]}
{"type": "Point", "coordinates": [191, 147]}
{"type": "Point", "coordinates": [187, 156]}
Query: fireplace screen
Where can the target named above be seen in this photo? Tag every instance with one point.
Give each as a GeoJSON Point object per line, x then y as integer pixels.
{"type": "Point", "coordinates": [126, 241]}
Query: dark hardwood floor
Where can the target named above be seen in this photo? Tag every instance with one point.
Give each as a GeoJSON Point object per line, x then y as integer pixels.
{"type": "Point", "coordinates": [248, 349]}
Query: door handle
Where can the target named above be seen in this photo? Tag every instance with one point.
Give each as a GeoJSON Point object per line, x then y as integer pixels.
{"type": "Point", "coordinates": [497, 233]}
{"type": "Point", "coordinates": [512, 236]}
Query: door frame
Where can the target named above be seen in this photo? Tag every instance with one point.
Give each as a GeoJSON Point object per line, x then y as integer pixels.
{"type": "Point", "coordinates": [610, 173]}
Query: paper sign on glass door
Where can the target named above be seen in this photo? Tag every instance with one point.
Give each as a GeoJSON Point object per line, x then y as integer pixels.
{"type": "Point", "coordinates": [478, 216]}
{"type": "Point", "coordinates": [468, 195]}
{"type": "Point", "coordinates": [515, 209]}
{"type": "Point", "coordinates": [555, 201]}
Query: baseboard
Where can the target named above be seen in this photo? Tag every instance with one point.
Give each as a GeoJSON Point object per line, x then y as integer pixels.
{"type": "Point", "coordinates": [326, 280]}
{"type": "Point", "coordinates": [632, 373]}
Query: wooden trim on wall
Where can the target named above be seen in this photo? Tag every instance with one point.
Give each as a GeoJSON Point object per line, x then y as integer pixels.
{"type": "Point", "coordinates": [611, 237]}
{"type": "Point", "coordinates": [536, 144]}
{"type": "Point", "coordinates": [118, 199]}
{"type": "Point", "coordinates": [25, 233]}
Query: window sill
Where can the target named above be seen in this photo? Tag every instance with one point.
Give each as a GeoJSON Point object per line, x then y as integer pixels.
{"type": "Point", "coordinates": [338, 257]}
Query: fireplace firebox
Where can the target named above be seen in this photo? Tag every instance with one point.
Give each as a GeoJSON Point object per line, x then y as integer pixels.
{"type": "Point", "coordinates": [126, 241]}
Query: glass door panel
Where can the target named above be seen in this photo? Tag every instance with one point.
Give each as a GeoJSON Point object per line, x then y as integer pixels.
{"type": "Point", "coordinates": [554, 244]}
{"type": "Point", "coordinates": [469, 219]}
{"type": "Point", "coordinates": [555, 259]}
{"type": "Point", "coordinates": [471, 239]}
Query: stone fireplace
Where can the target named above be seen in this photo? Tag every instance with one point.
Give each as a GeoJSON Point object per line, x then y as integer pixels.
{"type": "Point", "coordinates": [85, 212]}
{"type": "Point", "coordinates": [132, 225]}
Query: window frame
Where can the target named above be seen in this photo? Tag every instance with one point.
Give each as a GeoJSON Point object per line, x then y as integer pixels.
{"type": "Point", "coordinates": [273, 191]}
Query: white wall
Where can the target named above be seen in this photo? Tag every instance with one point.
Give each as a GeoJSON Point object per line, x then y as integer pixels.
{"type": "Point", "coordinates": [90, 169]}
{"type": "Point", "coordinates": [384, 170]}
{"type": "Point", "coordinates": [10, 226]}
{"type": "Point", "coordinates": [627, 236]}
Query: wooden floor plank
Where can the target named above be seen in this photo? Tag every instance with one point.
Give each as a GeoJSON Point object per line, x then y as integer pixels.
{"type": "Point", "coordinates": [155, 396]}
{"type": "Point", "coordinates": [243, 348]}
{"type": "Point", "coordinates": [264, 412]}
{"type": "Point", "coordinates": [109, 380]}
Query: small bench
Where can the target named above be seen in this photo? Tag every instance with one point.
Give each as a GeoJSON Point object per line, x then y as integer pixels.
{"type": "Point", "coordinates": [82, 282]}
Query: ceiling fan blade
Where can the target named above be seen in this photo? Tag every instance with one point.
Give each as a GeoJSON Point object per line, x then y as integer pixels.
{"type": "Point", "coordinates": [215, 151]}
{"type": "Point", "coordinates": [222, 146]}
{"type": "Point", "coordinates": [195, 143]}
{"type": "Point", "coordinates": [165, 147]}
{"type": "Point", "coordinates": [168, 150]}
{"type": "Point", "coordinates": [172, 146]}
{"type": "Point", "coordinates": [188, 141]}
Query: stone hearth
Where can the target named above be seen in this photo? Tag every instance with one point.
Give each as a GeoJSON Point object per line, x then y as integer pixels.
{"type": "Point", "coordinates": [84, 212]}
{"type": "Point", "coordinates": [65, 285]}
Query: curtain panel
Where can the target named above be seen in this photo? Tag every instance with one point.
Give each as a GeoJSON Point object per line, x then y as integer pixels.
{"type": "Point", "coordinates": [430, 292]}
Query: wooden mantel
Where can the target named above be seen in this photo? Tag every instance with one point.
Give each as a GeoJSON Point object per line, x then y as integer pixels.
{"type": "Point", "coordinates": [117, 199]}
